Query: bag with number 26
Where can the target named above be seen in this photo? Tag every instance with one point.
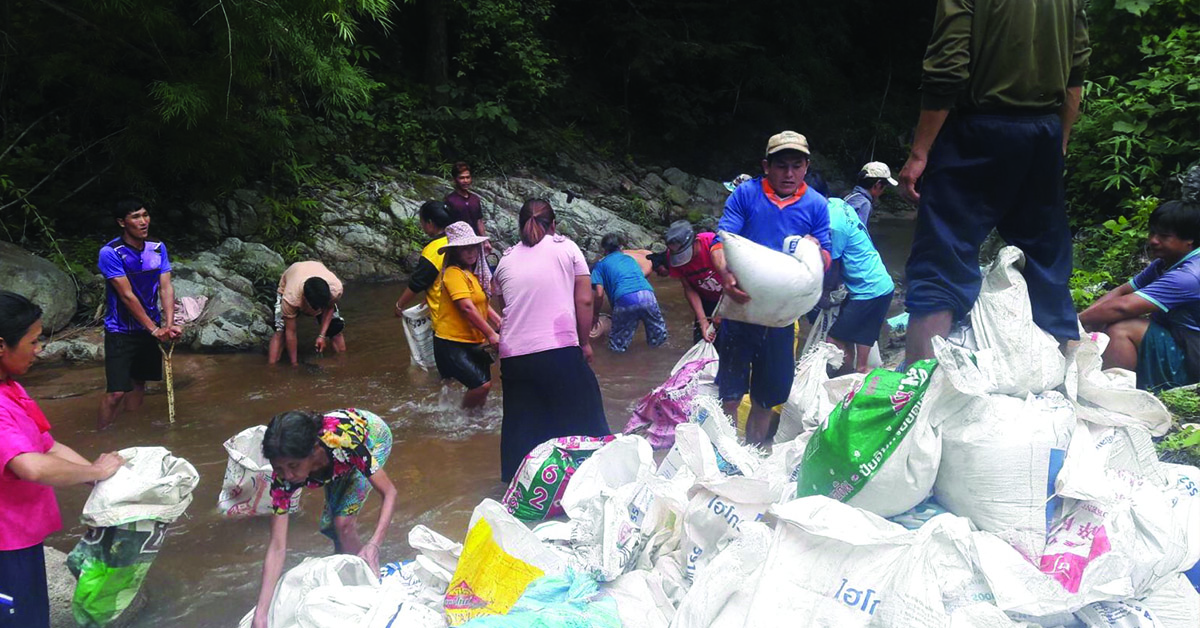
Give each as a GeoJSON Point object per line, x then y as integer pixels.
{"type": "Point", "coordinates": [536, 490]}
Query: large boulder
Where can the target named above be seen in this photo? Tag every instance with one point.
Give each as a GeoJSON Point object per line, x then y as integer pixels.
{"type": "Point", "coordinates": [579, 219]}
{"type": "Point", "coordinates": [40, 281]}
{"type": "Point", "coordinates": [233, 319]}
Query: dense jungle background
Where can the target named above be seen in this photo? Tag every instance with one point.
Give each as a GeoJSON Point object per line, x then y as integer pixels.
{"type": "Point", "coordinates": [181, 100]}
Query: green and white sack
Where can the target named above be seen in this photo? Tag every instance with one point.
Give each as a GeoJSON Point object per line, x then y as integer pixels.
{"type": "Point", "coordinates": [878, 450]}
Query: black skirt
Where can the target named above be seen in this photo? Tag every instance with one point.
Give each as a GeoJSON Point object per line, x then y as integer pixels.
{"type": "Point", "coordinates": [547, 395]}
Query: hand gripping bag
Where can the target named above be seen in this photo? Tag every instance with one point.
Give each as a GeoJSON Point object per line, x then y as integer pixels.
{"type": "Point", "coordinates": [536, 490]}
{"type": "Point", "coordinates": [878, 450]}
{"type": "Point", "coordinates": [246, 488]}
{"type": "Point", "coordinates": [126, 518]}
{"type": "Point", "coordinates": [782, 287]}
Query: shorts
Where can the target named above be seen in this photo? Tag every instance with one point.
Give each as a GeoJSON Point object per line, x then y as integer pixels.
{"type": "Point", "coordinates": [627, 311]}
{"type": "Point", "coordinates": [336, 325]}
{"type": "Point", "coordinates": [860, 321]}
{"type": "Point", "coordinates": [1161, 362]}
{"type": "Point", "coordinates": [130, 358]}
{"type": "Point", "coordinates": [468, 363]}
{"type": "Point", "coordinates": [755, 359]}
{"type": "Point", "coordinates": [23, 578]}
{"type": "Point", "coordinates": [345, 495]}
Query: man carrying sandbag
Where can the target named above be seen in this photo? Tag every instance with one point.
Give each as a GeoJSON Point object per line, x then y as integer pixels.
{"type": "Point", "coordinates": [766, 210]}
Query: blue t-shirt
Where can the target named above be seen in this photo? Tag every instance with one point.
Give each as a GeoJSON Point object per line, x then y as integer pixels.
{"type": "Point", "coordinates": [1176, 292]}
{"type": "Point", "coordinates": [142, 268]}
{"type": "Point", "coordinates": [620, 275]}
{"type": "Point", "coordinates": [755, 212]}
{"type": "Point", "coordinates": [862, 269]}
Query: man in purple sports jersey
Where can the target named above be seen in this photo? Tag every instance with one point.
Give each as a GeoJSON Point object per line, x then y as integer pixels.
{"type": "Point", "coordinates": [1153, 320]}
{"type": "Point", "coordinates": [138, 276]}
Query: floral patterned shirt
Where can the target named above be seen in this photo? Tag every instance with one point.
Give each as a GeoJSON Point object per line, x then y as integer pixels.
{"type": "Point", "coordinates": [345, 435]}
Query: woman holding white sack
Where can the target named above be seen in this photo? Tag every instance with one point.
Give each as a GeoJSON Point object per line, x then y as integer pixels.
{"type": "Point", "coordinates": [342, 450]}
{"type": "Point", "coordinates": [31, 464]}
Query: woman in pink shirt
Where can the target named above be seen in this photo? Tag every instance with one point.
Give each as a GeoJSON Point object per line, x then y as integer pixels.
{"type": "Point", "coordinates": [31, 463]}
{"type": "Point", "coordinates": [545, 295]}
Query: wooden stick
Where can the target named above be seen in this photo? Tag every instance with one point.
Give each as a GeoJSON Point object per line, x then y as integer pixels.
{"type": "Point", "coordinates": [169, 379]}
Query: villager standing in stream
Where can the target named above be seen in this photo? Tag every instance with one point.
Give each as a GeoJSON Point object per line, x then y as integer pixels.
{"type": "Point", "coordinates": [307, 288]}
{"type": "Point", "coordinates": [545, 298]}
{"type": "Point", "coordinates": [464, 204]}
{"type": "Point", "coordinates": [766, 210]}
{"type": "Point", "coordinates": [32, 463]}
{"type": "Point", "coordinates": [137, 273]}
{"type": "Point", "coordinates": [994, 124]}
{"type": "Point", "coordinates": [343, 451]}
{"type": "Point", "coordinates": [619, 276]}
{"type": "Point", "coordinates": [689, 259]}
{"type": "Point", "coordinates": [434, 217]}
{"type": "Point", "coordinates": [873, 180]}
{"type": "Point", "coordinates": [465, 326]}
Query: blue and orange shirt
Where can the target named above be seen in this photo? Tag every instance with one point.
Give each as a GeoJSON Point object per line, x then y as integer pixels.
{"type": "Point", "coordinates": [143, 269]}
{"type": "Point", "coordinates": [755, 212]}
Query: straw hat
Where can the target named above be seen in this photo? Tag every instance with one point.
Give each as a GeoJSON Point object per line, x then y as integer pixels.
{"type": "Point", "coordinates": [461, 234]}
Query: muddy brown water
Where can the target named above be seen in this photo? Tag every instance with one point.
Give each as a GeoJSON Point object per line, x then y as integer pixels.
{"type": "Point", "coordinates": [443, 463]}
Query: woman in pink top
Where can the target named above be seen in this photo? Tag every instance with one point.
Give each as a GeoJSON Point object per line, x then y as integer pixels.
{"type": "Point", "coordinates": [31, 462]}
{"type": "Point", "coordinates": [545, 295]}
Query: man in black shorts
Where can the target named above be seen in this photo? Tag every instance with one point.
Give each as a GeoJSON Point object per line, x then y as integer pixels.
{"type": "Point", "coordinates": [138, 276]}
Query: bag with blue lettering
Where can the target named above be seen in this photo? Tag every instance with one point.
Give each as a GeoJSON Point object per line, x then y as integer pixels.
{"type": "Point", "coordinates": [834, 565]}
{"type": "Point", "coordinates": [718, 505]}
{"type": "Point", "coordinates": [878, 450]}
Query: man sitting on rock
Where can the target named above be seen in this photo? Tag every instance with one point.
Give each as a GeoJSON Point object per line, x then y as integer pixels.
{"type": "Point", "coordinates": [1164, 348]}
{"type": "Point", "coordinates": [309, 288]}
{"type": "Point", "coordinates": [137, 273]}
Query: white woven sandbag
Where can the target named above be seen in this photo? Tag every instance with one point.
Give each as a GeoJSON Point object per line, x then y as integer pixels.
{"type": "Point", "coordinates": [152, 484]}
{"type": "Point", "coordinates": [418, 329]}
{"type": "Point", "coordinates": [246, 488]}
{"type": "Point", "coordinates": [1025, 358]}
{"type": "Point", "coordinates": [782, 287]}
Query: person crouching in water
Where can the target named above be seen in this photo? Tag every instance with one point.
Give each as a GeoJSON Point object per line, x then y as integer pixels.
{"type": "Point", "coordinates": [620, 278]}
{"type": "Point", "coordinates": [465, 324]}
{"type": "Point", "coordinates": [342, 450]}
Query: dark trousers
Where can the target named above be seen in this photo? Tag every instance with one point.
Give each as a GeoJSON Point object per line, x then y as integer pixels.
{"type": "Point", "coordinates": [547, 395]}
{"type": "Point", "coordinates": [1001, 171]}
{"type": "Point", "coordinates": [23, 578]}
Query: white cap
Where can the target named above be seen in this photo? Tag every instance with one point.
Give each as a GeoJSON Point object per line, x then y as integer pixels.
{"type": "Point", "coordinates": [877, 170]}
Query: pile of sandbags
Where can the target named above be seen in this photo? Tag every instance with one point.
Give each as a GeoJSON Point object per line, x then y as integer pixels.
{"type": "Point", "coordinates": [1002, 484]}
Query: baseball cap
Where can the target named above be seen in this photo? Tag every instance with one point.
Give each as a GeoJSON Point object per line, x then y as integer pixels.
{"type": "Point", "coordinates": [787, 140]}
{"type": "Point", "coordinates": [877, 170]}
{"type": "Point", "coordinates": [680, 238]}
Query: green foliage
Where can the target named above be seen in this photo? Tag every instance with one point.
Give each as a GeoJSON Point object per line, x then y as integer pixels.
{"type": "Point", "coordinates": [1110, 253]}
{"type": "Point", "coordinates": [1181, 446]}
{"type": "Point", "coordinates": [1181, 402]}
{"type": "Point", "coordinates": [1138, 130]}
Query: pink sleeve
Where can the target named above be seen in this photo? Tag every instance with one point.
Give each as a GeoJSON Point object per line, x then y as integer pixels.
{"type": "Point", "coordinates": [577, 260]}
{"type": "Point", "coordinates": [14, 440]}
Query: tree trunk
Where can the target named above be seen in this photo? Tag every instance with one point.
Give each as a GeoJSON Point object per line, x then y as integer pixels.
{"type": "Point", "coordinates": [436, 60]}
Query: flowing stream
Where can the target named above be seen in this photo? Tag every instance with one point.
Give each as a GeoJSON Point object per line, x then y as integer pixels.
{"type": "Point", "coordinates": [443, 463]}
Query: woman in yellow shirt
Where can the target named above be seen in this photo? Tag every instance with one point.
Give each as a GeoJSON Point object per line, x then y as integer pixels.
{"type": "Point", "coordinates": [464, 325]}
